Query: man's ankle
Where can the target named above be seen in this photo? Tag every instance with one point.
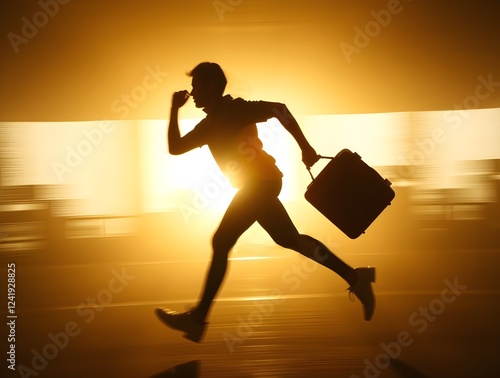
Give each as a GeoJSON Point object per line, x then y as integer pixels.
{"type": "Point", "coordinates": [199, 316]}
{"type": "Point", "coordinates": [351, 277]}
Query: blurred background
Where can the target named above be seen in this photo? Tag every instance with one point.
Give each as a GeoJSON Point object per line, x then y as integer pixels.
{"type": "Point", "coordinates": [68, 184]}
{"type": "Point", "coordinates": [412, 86]}
{"type": "Point", "coordinates": [87, 185]}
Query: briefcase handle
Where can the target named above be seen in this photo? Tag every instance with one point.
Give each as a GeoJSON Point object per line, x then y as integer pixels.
{"type": "Point", "coordinates": [321, 157]}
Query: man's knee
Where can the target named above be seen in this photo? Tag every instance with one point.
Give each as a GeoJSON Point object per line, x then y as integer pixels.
{"type": "Point", "coordinates": [222, 244]}
{"type": "Point", "coordinates": [290, 241]}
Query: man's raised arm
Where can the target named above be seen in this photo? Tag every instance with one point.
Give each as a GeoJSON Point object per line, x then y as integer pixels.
{"type": "Point", "coordinates": [176, 144]}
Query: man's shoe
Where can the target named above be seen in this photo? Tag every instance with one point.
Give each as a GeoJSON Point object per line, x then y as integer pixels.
{"type": "Point", "coordinates": [362, 288]}
{"type": "Point", "coordinates": [182, 321]}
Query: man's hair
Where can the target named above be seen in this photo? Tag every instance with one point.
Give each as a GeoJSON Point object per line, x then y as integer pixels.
{"type": "Point", "coordinates": [208, 72]}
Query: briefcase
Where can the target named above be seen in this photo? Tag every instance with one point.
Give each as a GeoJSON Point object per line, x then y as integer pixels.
{"type": "Point", "coordinates": [350, 193]}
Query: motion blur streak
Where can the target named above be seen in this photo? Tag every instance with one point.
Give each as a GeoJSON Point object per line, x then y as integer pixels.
{"type": "Point", "coordinates": [79, 200]}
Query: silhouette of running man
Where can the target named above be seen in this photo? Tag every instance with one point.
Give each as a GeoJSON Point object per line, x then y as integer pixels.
{"type": "Point", "coordinates": [229, 129]}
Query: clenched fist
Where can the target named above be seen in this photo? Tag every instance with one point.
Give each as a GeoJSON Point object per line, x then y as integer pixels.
{"type": "Point", "coordinates": [179, 98]}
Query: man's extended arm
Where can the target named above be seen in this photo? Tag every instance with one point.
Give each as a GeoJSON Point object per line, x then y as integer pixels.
{"type": "Point", "coordinates": [281, 112]}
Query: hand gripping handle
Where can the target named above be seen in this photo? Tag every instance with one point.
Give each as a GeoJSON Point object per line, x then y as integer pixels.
{"type": "Point", "coordinates": [321, 157]}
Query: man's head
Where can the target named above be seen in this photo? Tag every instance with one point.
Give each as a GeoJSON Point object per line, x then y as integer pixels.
{"type": "Point", "coordinates": [208, 84]}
